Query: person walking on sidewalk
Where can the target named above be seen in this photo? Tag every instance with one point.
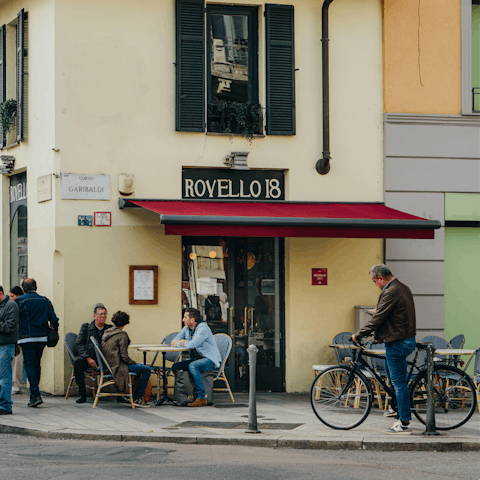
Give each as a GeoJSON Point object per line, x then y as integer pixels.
{"type": "Point", "coordinates": [84, 349]}
{"type": "Point", "coordinates": [8, 340]}
{"type": "Point", "coordinates": [115, 344]}
{"type": "Point", "coordinates": [17, 363]}
{"type": "Point", "coordinates": [394, 323]}
{"type": "Point", "coordinates": [35, 314]}
{"type": "Point", "coordinates": [204, 353]}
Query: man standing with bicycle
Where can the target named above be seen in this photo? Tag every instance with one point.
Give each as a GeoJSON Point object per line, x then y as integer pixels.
{"type": "Point", "coordinates": [393, 323]}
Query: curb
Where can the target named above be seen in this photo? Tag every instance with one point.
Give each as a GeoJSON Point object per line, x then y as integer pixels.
{"type": "Point", "coordinates": [454, 446]}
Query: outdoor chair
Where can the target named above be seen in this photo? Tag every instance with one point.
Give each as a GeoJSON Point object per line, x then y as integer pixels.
{"type": "Point", "coordinates": [457, 342]}
{"type": "Point", "coordinates": [172, 357]}
{"type": "Point", "coordinates": [70, 339]}
{"type": "Point", "coordinates": [224, 344]}
{"type": "Point", "coordinates": [106, 378]}
{"type": "Point", "coordinates": [438, 343]}
{"type": "Point", "coordinates": [342, 353]}
{"type": "Point", "coordinates": [476, 373]}
{"type": "Point", "coordinates": [379, 366]}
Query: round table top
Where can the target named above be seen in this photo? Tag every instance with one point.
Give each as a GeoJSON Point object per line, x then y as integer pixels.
{"type": "Point", "coordinates": [161, 348]}
{"type": "Point", "coordinates": [440, 351]}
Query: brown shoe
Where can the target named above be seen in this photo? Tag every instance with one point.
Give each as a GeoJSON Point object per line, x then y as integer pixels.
{"type": "Point", "coordinates": [199, 402]}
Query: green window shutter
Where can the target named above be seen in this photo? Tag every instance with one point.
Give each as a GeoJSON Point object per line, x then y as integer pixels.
{"type": "Point", "coordinates": [2, 77]}
{"type": "Point", "coordinates": [280, 46]}
{"type": "Point", "coordinates": [190, 65]}
{"type": "Point", "coordinates": [21, 17]}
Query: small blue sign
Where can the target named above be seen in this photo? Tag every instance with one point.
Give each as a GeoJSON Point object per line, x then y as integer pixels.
{"type": "Point", "coordinates": [81, 220]}
{"type": "Point", "coordinates": [89, 220]}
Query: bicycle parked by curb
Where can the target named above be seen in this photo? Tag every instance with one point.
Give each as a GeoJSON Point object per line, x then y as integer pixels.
{"type": "Point", "coordinates": [342, 396]}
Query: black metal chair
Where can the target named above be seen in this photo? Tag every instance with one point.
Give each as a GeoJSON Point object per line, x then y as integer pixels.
{"type": "Point", "coordinates": [70, 339]}
{"type": "Point", "coordinates": [172, 357]}
{"type": "Point", "coordinates": [106, 378]}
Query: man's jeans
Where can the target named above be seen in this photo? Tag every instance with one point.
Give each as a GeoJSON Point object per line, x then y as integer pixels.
{"type": "Point", "coordinates": [7, 352]}
{"type": "Point", "coordinates": [32, 355]}
{"type": "Point", "coordinates": [396, 366]}
{"type": "Point", "coordinates": [195, 368]}
{"type": "Point", "coordinates": [143, 372]}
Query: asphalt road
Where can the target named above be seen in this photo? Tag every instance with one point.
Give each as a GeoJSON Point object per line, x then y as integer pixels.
{"type": "Point", "coordinates": [24, 458]}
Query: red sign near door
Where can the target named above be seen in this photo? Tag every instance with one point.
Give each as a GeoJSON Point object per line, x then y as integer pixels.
{"type": "Point", "coordinates": [319, 276]}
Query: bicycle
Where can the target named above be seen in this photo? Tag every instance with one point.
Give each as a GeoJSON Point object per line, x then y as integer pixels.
{"type": "Point", "coordinates": [342, 396]}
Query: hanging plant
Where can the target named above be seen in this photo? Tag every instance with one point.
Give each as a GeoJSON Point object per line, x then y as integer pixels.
{"type": "Point", "coordinates": [240, 118]}
{"type": "Point", "coordinates": [8, 114]}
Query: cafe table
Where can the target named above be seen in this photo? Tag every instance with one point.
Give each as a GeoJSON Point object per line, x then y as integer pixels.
{"type": "Point", "coordinates": [164, 349]}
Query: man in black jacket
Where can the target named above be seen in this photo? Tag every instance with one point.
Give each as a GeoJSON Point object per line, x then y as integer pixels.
{"type": "Point", "coordinates": [8, 340]}
{"type": "Point", "coordinates": [84, 349]}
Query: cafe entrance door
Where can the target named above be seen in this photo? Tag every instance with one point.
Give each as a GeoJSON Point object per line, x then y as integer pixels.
{"type": "Point", "coordinates": [238, 286]}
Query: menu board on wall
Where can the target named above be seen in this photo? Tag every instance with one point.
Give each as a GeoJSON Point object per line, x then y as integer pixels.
{"type": "Point", "coordinates": [143, 285]}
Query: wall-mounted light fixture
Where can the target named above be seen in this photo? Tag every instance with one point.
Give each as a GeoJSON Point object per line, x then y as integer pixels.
{"type": "Point", "coordinates": [237, 161]}
{"type": "Point", "coordinates": [6, 166]}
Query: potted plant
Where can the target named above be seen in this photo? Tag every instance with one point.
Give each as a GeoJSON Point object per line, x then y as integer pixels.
{"type": "Point", "coordinates": [8, 114]}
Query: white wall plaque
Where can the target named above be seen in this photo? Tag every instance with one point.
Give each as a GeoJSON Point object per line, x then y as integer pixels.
{"type": "Point", "coordinates": [103, 219]}
{"type": "Point", "coordinates": [85, 187]}
{"type": "Point", "coordinates": [44, 188]}
{"type": "Point", "coordinates": [143, 285]}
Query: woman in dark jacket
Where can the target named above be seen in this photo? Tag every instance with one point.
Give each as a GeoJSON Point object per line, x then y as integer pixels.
{"type": "Point", "coordinates": [115, 348]}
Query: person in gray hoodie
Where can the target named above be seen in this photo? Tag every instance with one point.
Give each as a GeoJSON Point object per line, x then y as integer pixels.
{"type": "Point", "coordinates": [8, 341]}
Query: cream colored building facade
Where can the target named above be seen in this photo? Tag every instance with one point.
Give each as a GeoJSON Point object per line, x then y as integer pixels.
{"type": "Point", "coordinates": [101, 100]}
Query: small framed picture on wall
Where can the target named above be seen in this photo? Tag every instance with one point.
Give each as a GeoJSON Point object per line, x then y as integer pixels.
{"type": "Point", "coordinates": [143, 285]}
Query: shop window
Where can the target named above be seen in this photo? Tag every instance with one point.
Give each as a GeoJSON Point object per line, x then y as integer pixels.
{"type": "Point", "coordinates": [222, 41]}
{"type": "Point", "coordinates": [13, 71]}
{"type": "Point", "coordinates": [19, 247]}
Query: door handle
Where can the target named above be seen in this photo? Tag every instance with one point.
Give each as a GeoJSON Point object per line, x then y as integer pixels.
{"type": "Point", "coordinates": [230, 322]}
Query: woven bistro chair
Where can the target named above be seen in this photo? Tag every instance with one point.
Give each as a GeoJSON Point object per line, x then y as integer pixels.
{"type": "Point", "coordinates": [438, 343]}
{"type": "Point", "coordinates": [224, 344]}
{"type": "Point", "coordinates": [342, 353]}
{"type": "Point", "coordinates": [457, 342]}
{"type": "Point", "coordinates": [106, 378]}
{"type": "Point", "coordinates": [379, 366]}
{"type": "Point", "coordinates": [172, 357]}
{"type": "Point", "coordinates": [70, 339]}
{"type": "Point", "coordinates": [476, 373]}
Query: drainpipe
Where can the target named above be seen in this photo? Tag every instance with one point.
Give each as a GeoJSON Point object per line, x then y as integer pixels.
{"type": "Point", "coordinates": [323, 165]}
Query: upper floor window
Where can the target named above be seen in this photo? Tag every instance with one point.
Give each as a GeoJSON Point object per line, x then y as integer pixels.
{"type": "Point", "coordinates": [13, 70]}
{"type": "Point", "coordinates": [217, 71]}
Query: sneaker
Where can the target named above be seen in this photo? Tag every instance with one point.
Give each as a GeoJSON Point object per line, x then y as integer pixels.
{"type": "Point", "coordinates": [35, 401]}
{"type": "Point", "coordinates": [4, 412]}
{"type": "Point", "coordinates": [199, 402]}
{"type": "Point", "coordinates": [122, 399]}
{"type": "Point", "coordinates": [399, 429]}
{"type": "Point", "coordinates": [390, 412]}
{"type": "Point", "coordinates": [140, 402]}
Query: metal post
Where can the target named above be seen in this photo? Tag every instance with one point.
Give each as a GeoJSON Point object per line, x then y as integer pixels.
{"type": "Point", "coordinates": [252, 393]}
{"type": "Point", "coordinates": [430, 420]}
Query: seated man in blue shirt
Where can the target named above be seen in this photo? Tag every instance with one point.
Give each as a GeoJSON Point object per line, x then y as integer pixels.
{"type": "Point", "coordinates": [204, 353]}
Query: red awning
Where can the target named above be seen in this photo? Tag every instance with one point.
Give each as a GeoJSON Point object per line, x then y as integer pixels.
{"type": "Point", "coordinates": [285, 219]}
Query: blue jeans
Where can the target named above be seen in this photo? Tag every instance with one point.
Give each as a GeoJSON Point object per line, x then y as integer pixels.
{"type": "Point", "coordinates": [195, 368]}
{"type": "Point", "coordinates": [396, 367]}
{"type": "Point", "coordinates": [7, 352]}
{"type": "Point", "coordinates": [143, 372]}
{"type": "Point", "coordinates": [32, 356]}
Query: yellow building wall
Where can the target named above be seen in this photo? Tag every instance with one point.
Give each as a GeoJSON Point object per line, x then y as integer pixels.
{"type": "Point", "coordinates": [422, 69]}
{"type": "Point", "coordinates": [314, 314]}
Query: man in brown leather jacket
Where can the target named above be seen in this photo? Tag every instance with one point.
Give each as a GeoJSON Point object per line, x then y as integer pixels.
{"type": "Point", "coordinates": [393, 323]}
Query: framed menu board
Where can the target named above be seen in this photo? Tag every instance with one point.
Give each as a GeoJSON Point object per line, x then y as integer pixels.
{"type": "Point", "coordinates": [143, 285]}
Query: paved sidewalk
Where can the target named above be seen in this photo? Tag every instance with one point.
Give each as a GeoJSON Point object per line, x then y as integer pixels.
{"type": "Point", "coordinates": [285, 421]}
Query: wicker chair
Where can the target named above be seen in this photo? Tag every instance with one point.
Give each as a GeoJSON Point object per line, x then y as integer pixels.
{"type": "Point", "coordinates": [224, 344]}
{"type": "Point", "coordinates": [457, 342]}
{"type": "Point", "coordinates": [170, 357]}
{"type": "Point", "coordinates": [70, 339]}
{"type": "Point", "coordinates": [106, 378]}
{"type": "Point", "coordinates": [438, 343]}
{"type": "Point", "coordinates": [342, 353]}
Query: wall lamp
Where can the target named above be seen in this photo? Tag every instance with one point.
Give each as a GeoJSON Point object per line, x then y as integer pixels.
{"type": "Point", "coordinates": [6, 166]}
{"type": "Point", "coordinates": [237, 161]}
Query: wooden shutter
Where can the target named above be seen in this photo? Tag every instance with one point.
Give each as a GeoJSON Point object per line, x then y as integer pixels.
{"type": "Point", "coordinates": [3, 81]}
{"type": "Point", "coordinates": [279, 32]}
{"type": "Point", "coordinates": [20, 72]}
{"type": "Point", "coordinates": [190, 65]}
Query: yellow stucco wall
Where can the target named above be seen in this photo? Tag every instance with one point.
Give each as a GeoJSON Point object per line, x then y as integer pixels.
{"type": "Point", "coordinates": [422, 72]}
{"type": "Point", "coordinates": [314, 314]}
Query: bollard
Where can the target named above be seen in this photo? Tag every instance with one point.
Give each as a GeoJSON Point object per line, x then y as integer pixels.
{"type": "Point", "coordinates": [252, 392]}
{"type": "Point", "coordinates": [430, 417]}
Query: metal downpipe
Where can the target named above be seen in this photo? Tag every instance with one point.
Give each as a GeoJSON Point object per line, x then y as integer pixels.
{"type": "Point", "coordinates": [323, 165]}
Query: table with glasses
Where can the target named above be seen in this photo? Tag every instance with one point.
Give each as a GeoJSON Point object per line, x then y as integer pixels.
{"type": "Point", "coordinates": [164, 349]}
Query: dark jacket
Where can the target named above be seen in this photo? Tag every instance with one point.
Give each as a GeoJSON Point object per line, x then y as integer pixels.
{"type": "Point", "coordinates": [83, 346]}
{"type": "Point", "coordinates": [115, 348]}
{"type": "Point", "coordinates": [35, 313]}
{"type": "Point", "coordinates": [394, 318]}
{"type": "Point", "coordinates": [8, 322]}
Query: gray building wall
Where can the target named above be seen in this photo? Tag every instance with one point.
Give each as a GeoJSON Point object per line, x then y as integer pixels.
{"type": "Point", "coordinates": [425, 157]}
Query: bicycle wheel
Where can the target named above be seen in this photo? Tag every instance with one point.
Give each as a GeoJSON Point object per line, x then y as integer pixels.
{"type": "Point", "coordinates": [453, 393]}
{"type": "Point", "coordinates": [335, 410]}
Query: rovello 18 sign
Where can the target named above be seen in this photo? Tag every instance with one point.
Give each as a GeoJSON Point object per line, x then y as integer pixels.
{"type": "Point", "coordinates": [244, 185]}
